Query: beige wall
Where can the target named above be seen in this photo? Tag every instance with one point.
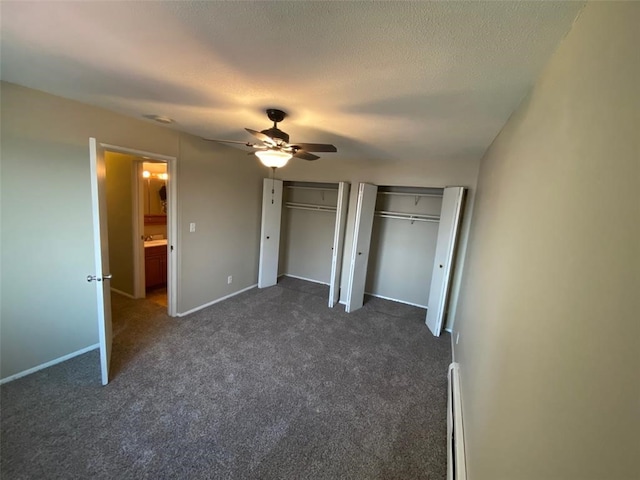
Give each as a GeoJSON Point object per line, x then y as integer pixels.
{"type": "Point", "coordinates": [48, 309]}
{"type": "Point", "coordinates": [220, 190]}
{"type": "Point", "coordinates": [548, 314]}
{"type": "Point", "coordinates": [119, 186]}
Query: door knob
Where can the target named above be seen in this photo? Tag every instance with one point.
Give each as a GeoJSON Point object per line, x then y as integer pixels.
{"type": "Point", "coordinates": [93, 278]}
{"type": "Point", "coordinates": [359, 253]}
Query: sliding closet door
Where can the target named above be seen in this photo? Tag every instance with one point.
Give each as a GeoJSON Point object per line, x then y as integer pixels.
{"type": "Point", "coordinates": [338, 243]}
{"type": "Point", "coordinates": [448, 230]}
{"type": "Point", "coordinates": [270, 231]}
{"type": "Point", "coordinates": [361, 242]}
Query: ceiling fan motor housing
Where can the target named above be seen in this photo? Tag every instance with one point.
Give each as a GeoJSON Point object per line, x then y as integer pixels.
{"type": "Point", "coordinates": [275, 115]}
{"type": "Point", "coordinates": [276, 133]}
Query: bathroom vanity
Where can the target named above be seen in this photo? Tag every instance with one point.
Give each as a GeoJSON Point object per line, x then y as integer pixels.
{"type": "Point", "coordinates": [155, 263]}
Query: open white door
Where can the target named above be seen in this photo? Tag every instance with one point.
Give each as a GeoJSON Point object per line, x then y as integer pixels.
{"type": "Point", "coordinates": [338, 243]}
{"type": "Point", "coordinates": [448, 229]}
{"type": "Point", "coordinates": [365, 209]}
{"type": "Point", "coordinates": [270, 232]}
{"type": "Point", "coordinates": [101, 248]}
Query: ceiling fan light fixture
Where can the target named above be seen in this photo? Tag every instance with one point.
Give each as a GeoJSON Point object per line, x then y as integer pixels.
{"type": "Point", "coordinates": [273, 158]}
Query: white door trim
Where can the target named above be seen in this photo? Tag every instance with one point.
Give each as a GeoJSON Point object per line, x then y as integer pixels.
{"type": "Point", "coordinates": [137, 208]}
{"type": "Point", "coordinates": [172, 241]}
{"type": "Point", "coordinates": [137, 153]}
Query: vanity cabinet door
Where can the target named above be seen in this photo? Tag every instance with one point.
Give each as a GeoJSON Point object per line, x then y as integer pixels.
{"type": "Point", "coordinates": [155, 266]}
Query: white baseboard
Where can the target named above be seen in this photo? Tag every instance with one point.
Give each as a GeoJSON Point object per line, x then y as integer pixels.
{"type": "Point", "coordinates": [29, 371]}
{"type": "Point", "coordinates": [120, 292]}
{"type": "Point", "coordinates": [396, 300]}
{"type": "Point", "coordinates": [456, 455]}
{"type": "Point", "coordinates": [303, 278]}
{"type": "Point", "coordinates": [193, 310]}
{"type": "Point", "coordinates": [453, 349]}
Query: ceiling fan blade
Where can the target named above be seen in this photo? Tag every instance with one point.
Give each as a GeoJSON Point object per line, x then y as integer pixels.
{"type": "Point", "coordinates": [246, 144]}
{"type": "Point", "coordinates": [316, 147]}
{"type": "Point", "coordinates": [305, 155]}
{"type": "Point", "coordinates": [261, 136]}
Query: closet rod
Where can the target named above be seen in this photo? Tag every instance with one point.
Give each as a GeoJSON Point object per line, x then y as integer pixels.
{"type": "Point", "coordinates": [408, 216]}
{"type": "Point", "coordinates": [310, 206]}
{"type": "Point", "coordinates": [412, 219]}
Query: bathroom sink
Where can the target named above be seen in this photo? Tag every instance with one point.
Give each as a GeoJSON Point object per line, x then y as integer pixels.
{"type": "Point", "coordinates": [155, 243]}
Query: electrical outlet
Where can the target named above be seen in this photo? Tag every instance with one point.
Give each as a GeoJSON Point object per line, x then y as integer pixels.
{"type": "Point", "coordinates": [192, 227]}
{"type": "Point", "coordinates": [457, 337]}
{"type": "Point", "coordinates": [229, 279]}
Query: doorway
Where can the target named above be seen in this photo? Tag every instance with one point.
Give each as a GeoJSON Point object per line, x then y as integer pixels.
{"type": "Point", "coordinates": [103, 277]}
{"type": "Point", "coordinates": [137, 224]}
{"type": "Point", "coordinates": [152, 274]}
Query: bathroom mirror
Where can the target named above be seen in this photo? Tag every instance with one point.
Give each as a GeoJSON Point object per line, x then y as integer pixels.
{"type": "Point", "coordinates": [155, 197]}
{"type": "Point", "coordinates": [155, 193]}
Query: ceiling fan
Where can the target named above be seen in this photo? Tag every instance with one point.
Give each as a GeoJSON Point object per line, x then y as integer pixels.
{"type": "Point", "coordinates": [274, 151]}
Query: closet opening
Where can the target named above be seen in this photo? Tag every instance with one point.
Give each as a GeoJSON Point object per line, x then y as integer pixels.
{"type": "Point", "coordinates": [403, 248]}
{"type": "Point", "coordinates": [403, 244]}
{"type": "Point", "coordinates": [303, 225]}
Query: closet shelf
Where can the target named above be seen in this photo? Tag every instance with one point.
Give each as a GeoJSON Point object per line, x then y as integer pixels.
{"type": "Point", "coordinates": [405, 194]}
{"type": "Point", "coordinates": [325, 189]}
{"type": "Point", "coordinates": [416, 196]}
{"type": "Point", "coordinates": [310, 206]}
{"type": "Point", "coordinates": [413, 217]}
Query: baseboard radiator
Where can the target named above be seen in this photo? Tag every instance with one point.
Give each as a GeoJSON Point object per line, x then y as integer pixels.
{"type": "Point", "coordinates": [456, 466]}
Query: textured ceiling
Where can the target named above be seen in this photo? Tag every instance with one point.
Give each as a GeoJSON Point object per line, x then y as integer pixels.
{"type": "Point", "coordinates": [380, 80]}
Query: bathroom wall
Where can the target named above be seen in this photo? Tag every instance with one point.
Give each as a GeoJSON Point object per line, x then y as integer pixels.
{"type": "Point", "coordinates": [119, 183]}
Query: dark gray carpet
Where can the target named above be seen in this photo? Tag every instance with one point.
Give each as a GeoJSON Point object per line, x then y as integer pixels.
{"type": "Point", "coordinates": [270, 384]}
